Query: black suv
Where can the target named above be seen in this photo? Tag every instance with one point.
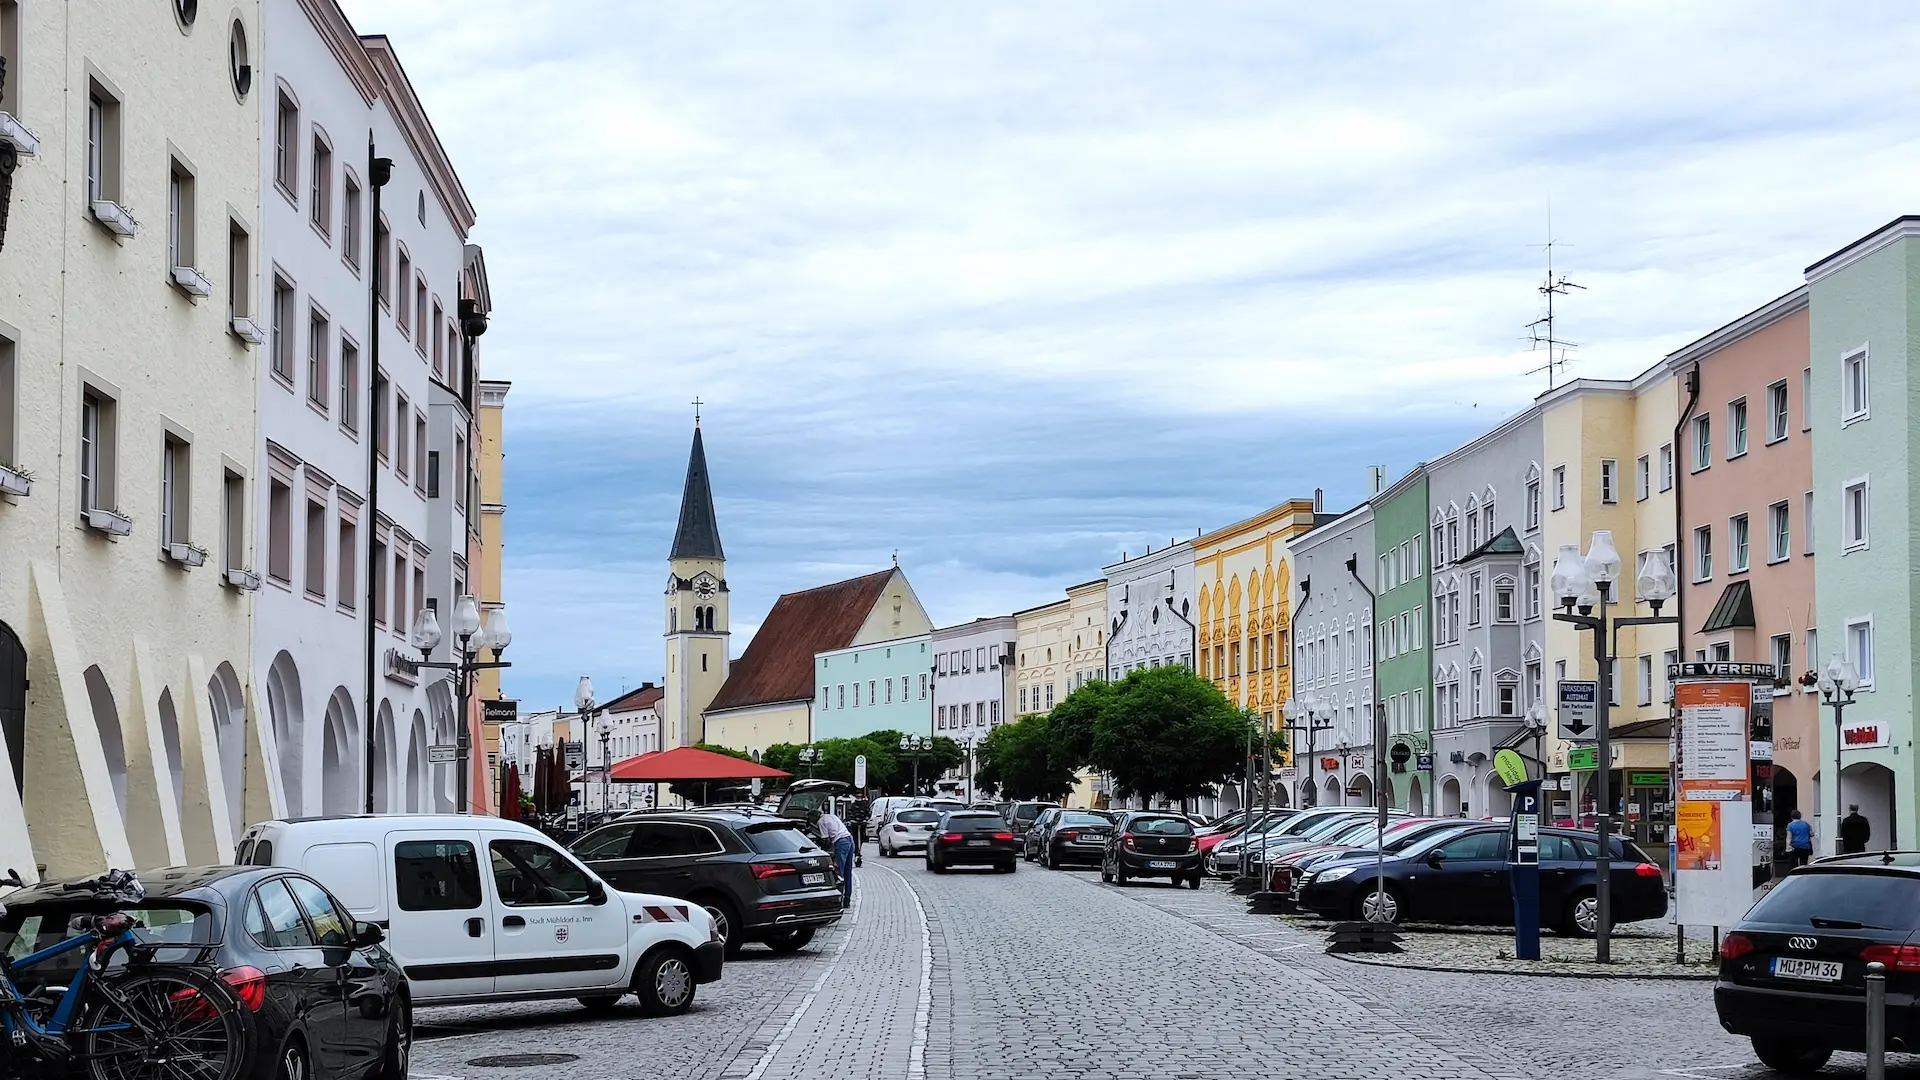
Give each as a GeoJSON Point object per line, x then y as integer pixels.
{"type": "Point", "coordinates": [759, 876]}
{"type": "Point", "coordinates": [1793, 972]}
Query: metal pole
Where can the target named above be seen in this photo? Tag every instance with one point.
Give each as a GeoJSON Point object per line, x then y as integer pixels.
{"type": "Point", "coordinates": [379, 171]}
{"type": "Point", "coordinates": [463, 681]}
{"type": "Point", "coordinates": [1876, 1021]}
{"type": "Point", "coordinates": [1603, 779]}
{"type": "Point", "coordinates": [606, 771]}
{"type": "Point", "coordinates": [1833, 823]}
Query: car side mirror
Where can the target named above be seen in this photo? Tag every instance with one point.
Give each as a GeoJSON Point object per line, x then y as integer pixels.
{"type": "Point", "coordinates": [596, 894]}
{"type": "Point", "coordinates": [367, 934]}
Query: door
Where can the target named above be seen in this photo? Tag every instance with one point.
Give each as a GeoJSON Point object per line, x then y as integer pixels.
{"type": "Point", "coordinates": [362, 990]}
{"type": "Point", "coordinates": [1563, 866]}
{"type": "Point", "coordinates": [1470, 885]}
{"type": "Point", "coordinates": [438, 924]}
{"type": "Point", "coordinates": [299, 979]}
{"type": "Point", "coordinates": [13, 704]}
{"type": "Point", "coordinates": [550, 934]}
{"type": "Point", "coordinates": [658, 859]}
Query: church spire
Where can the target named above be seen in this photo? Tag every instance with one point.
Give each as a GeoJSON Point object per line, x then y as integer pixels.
{"type": "Point", "coordinates": [698, 536]}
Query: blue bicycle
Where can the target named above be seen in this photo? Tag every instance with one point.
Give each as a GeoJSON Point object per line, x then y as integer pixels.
{"type": "Point", "coordinates": [135, 1020]}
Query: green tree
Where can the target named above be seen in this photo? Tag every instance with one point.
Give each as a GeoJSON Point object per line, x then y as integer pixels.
{"type": "Point", "coordinates": [1169, 734]}
{"type": "Point", "coordinates": [1019, 761]}
{"type": "Point", "coordinates": [1072, 723]}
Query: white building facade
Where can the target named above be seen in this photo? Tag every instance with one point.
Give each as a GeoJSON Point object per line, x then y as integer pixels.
{"type": "Point", "coordinates": [1333, 658]}
{"type": "Point", "coordinates": [973, 681]}
{"type": "Point", "coordinates": [127, 435]}
{"type": "Point", "coordinates": [351, 524]}
{"type": "Point", "coordinates": [1149, 611]}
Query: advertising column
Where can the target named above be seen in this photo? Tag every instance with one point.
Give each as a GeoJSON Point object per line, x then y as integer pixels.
{"type": "Point", "coordinates": [1723, 763]}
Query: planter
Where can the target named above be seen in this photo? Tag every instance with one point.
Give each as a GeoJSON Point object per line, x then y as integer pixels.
{"type": "Point", "coordinates": [16, 482]}
{"type": "Point", "coordinates": [187, 555]}
{"type": "Point", "coordinates": [243, 580]}
{"type": "Point", "coordinates": [111, 522]}
{"type": "Point", "coordinates": [192, 282]}
{"type": "Point", "coordinates": [113, 217]}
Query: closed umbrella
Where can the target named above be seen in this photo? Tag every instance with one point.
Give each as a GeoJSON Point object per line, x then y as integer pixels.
{"type": "Point", "coordinates": [510, 793]}
{"type": "Point", "coordinates": [540, 780]}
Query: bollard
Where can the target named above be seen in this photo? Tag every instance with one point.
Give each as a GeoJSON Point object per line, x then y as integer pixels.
{"type": "Point", "coordinates": [1876, 1021]}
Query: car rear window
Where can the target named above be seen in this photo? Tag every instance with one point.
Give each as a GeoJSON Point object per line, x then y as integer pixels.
{"type": "Point", "coordinates": [1029, 811]}
{"type": "Point", "coordinates": [1161, 826]}
{"type": "Point", "coordinates": [28, 928]}
{"type": "Point", "coordinates": [1084, 819]}
{"type": "Point", "coordinates": [976, 822]}
{"type": "Point", "coordinates": [917, 817]}
{"type": "Point", "coordinates": [1839, 900]}
{"type": "Point", "coordinates": [776, 839]}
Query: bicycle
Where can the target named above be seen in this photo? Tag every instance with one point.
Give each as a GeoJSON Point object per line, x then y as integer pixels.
{"type": "Point", "coordinates": [140, 1021]}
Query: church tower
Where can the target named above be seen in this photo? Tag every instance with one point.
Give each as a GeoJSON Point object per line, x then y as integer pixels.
{"type": "Point", "coordinates": [697, 621]}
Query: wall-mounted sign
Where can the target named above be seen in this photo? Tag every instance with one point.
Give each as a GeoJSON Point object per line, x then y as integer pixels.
{"type": "Point", "coordinates": [1719, 669]}
{"type": "Point", "coordinates": [1579, 711]}
{"type": "Point", "coordinates": [1583, 757]}
{"type": "Point", "coordinates": [1864, 735]}
{"type": "Point", "coordinates": [1423, 762]}
{"type": "Point", "coordinates": [499, 712]}
{"type": "Point", "coordinates": [402, 668]}
{"type": "Point", "coordinates": [1647, 779]}
{"type": "Point", "coordinates": [1330, 764]}
{"type": "Point", "coordinates": [443, 754]}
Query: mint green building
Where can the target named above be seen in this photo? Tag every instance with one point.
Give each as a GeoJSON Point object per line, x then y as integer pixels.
{"type": "Point", "coordinates": [1864, 305]}
{"type": "Point", "coordinates": [1403, 667]}
{"type": "Point", "coordinates": [884, 686]}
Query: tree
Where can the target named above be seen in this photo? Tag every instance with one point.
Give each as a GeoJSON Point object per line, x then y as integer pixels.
{"type": "Point", "coordinates": [1020, 761]}
{"type": "Point", "coordinates": [1169, 734]}
{"type": "Point", "coordinates": [1071, 724]}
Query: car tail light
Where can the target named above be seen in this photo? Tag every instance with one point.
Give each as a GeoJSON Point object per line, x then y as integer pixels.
{"type": "Point", "coordinates": [899, 828]}
{"type": "Point", "coordinates": [951, 838]}
{"type": "Point", "coordinates": [1896, 957]}
{"type": "Point", "coordinates": [1127, 841]}
{"type": "Point", "coordinates": [249, 985]}
{"type": "Point", "coordinates": [1003, 836]}
{"type": "Point", "coordinates": [767, 870]}
{"type": "Point", "coordinates": [1647, 869]}
{"type": "Point", "coordinates": [1071, 834]}
{"type": "Point", "coordinates": [1735, 946]}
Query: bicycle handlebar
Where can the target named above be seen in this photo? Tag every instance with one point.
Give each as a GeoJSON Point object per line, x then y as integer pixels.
{"type": "Point", "coordinates": [120, 885]}
{"type": "Point", "coordinates": [12, 880]}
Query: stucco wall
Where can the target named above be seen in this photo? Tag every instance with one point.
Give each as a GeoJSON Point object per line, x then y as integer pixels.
{"type": "Point", "coordinates": [888, 686]}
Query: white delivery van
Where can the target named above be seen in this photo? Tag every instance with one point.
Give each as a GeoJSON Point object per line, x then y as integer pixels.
{"type": "Point", "coordinates": [483, 909]}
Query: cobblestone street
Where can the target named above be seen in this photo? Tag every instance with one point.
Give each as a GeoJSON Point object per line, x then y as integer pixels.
{"type": "Point", "coordinates": [981, 976]}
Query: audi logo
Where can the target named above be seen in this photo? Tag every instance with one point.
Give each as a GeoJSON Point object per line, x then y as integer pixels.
{"type": "Point", "coordinates": [1804, 944]}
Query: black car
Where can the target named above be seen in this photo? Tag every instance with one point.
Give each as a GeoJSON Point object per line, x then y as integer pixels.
{"type": "Point", "coordinates": [320, 994]}
{"type": "Point", "coordinates": [1793, 972]}
{"type": "Point", "coordinates": [1149, 844]}
{"type": "Point", "coordinates": [758, 874]}
{"type": "Point", "coordinates": [1461, 877]}
{"type": "Point", "coordinates": [972, 838]}
{"type": "Point", "coordinates": [1020, 815]}
{"type": "Point", "coordinates": [1062, 837]}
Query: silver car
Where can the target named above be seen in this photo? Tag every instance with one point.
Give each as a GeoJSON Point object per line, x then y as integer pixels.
{"type": "Point", "coordinates": [907, 829]}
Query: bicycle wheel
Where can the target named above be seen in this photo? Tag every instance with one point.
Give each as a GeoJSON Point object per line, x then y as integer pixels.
{"type": "Point", "coordinates": [163, 1024]}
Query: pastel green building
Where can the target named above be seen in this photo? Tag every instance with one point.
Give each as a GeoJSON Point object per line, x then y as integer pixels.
{"type": "Point", "coordinates": [1403, 667]}
{"type": "Point", "coordinates": [884, 686]}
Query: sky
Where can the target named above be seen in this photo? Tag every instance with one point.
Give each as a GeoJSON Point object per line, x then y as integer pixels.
{"type": "Point", "coordinates": [1011, 289]}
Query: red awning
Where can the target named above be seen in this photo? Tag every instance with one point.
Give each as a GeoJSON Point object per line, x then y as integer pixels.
{"type": "Point", "coordinates": [689, 763]}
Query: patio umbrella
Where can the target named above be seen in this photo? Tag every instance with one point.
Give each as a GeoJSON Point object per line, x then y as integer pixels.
{"type": "Point", "coordinates": [540, 780]}
{"type": "Point", "coordinates": [559, 781]}
{"type": "Point", "coordinates": [510, 793]}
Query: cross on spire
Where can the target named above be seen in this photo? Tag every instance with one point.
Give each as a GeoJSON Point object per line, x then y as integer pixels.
{"type": "Point", "coordinates": [696, 410]}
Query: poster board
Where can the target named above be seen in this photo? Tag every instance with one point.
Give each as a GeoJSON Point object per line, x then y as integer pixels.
{"type": "Point", "coordinates": [1714, 838]}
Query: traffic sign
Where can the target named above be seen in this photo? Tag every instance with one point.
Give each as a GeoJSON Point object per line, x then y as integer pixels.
{"type": "Point", "coordinates": [1579, 712]}
{"type": "Point", "coordinates": [443, 754]}
{"type": "Point", "coordinates": [860, 771]}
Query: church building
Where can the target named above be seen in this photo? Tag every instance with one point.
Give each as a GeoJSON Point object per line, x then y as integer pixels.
{"type": "Point", "coordinates": [769, 695]}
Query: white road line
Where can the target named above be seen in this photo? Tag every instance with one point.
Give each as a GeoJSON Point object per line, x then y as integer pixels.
{"type": "Point", "coordinates": [1698, 1072]}
{"type": "Point", "coordinates": [786, 1030]}
{"type": "Point", "coordinates": [923, 1009]}
{"type": "Point", "coordinates": [462, 1035]}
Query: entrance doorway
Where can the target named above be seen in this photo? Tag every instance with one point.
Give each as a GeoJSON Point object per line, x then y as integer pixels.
{"type": "Point", "coordinates": [1870, 787]}
{"type": "Point", "coordinates": [13, 704]}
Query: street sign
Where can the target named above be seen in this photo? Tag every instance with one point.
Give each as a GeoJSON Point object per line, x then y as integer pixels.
{"type": "Point", "coordinates": [443, 754]}
{"type": "Point", "coordinates": [860, 771]}
{"type": "Point", "coordinates": [1579, 712]}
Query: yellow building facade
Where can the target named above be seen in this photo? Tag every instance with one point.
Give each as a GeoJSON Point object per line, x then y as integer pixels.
{"type": "Point", "coordinates": [490, 466]}
{"type": "Point", "coordinates": [1086, 633]}
{"type": "Point", "coordinates": [1043, 637]}
{"type": "Point", "coordinates": [1245, 582]}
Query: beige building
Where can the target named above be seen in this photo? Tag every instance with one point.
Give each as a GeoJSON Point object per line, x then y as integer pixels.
{"type": "Point", "coordinates": [127, 434]}
{"type": "Point", "coordinates": [1086, 634]}
{"type": "Point", "coordinates": [489, 470]}
{"type": "Point", "coordinates": [1043, 638]}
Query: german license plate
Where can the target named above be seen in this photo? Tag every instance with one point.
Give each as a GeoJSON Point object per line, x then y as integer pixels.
{"type": "Point", "coordinates": [976, 843]}
{"type": "Point", "coordinates": [1161, 865]}
{"type": "Point", "coordinates": [1790, 967]}
{"type": "Point", "coordinates": [813, 879]}
{"type": "Point", "coordinates": [1091, 840]}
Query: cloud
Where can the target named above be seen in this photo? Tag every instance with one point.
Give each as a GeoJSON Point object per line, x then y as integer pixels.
{"type": "Point", "coordinates": [1014, 288]}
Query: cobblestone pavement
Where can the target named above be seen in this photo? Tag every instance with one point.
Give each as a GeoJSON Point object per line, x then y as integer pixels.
{"type": "Point", "coordinates": [1050, 974]}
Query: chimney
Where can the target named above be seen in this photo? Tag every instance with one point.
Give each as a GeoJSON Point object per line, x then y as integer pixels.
{"type": "Point", "coordinates": [1319, 500]}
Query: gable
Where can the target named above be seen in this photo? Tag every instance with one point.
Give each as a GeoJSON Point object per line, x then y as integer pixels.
{"type": "Point", "coordinates": [896, 613]}
{"type": "Point", "coordinates": [778, 663]}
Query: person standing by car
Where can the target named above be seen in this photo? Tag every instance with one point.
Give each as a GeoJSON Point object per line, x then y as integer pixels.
{"type": "Point", "coordinates": [835, 834]}
{"type": "Point", "coordinates": [1855, 831]}
{"type": "Point", "coordinates": [1799, 841]}
{"type": "Point", "coordinates": [859, 813]}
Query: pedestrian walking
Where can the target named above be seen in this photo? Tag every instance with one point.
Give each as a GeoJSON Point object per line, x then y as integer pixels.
{"type": "Point", "coordinates": [839, 839]}
{"type": "Point", "coordinates": [1855, 831]}
{"type": "Point", "coordinates": [859, 814]}
{"type": "Point", "coordinates": [1799, 841]}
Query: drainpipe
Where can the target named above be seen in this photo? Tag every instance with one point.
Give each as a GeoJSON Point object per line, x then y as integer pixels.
{"type": "Point", "coordinates": [1680, 556]}
{"type": "Point", "coordinates": [379, 171]}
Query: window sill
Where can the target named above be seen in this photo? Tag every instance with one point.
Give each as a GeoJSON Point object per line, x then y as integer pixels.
{"type": "Point", "coordinates": [1778, 559]}
{"type": "Point", "coordinates": [286, 192]}
{"type": "Point", "coordinates": [1737, 455]}
{"type": "Point", "coordinates": [114, 218]}
{"type": "Point", "coordinates": [1698, 469]}
{"type": "Point", "coordinates": [1775, 440]}
{"type": "Point", "coordinates": [285, 381]}
{"type": "Point", "coordinates": [313, 597]}
{"type": "Point", "coordinates": [1853, 548]}
{"type": "Point", "coordinates": [320, 231]}
{"type": "Point", "coordinates": [351, 263]}
{"type": "Point", "coordinates": [1738, 571]}
{"type": "Point", "coordinates": [1856, 418]}
{"type": "Point", "coordinates": [345, 610]}
{"type": "Point", "coordinates": [244, 328]}
{"type": "Point", "coordinates": [350, 433]}
{"type": "Point", "coordinates": [318, 408]}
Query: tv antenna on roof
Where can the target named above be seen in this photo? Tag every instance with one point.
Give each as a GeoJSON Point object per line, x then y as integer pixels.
{"type": "Point", "coordinates": [1541, 330]}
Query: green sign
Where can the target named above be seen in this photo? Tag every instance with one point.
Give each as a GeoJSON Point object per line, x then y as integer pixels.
{"type": "Point", "coordinates": [1511, 769]}
{"type": "Point", "coordinates": [1583, 757]}
{"type": "Point", "coordinates": [1647, 779]}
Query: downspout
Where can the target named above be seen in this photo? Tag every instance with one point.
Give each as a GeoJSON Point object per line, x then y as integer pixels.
{"type": "Point", "coordinates": [1680, 554]}
{"type": "Point", "coordinates": [379, 171]}
{"type": "Point", "coordinates": [1293, 692]}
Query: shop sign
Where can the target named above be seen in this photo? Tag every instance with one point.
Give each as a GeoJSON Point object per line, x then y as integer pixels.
{"type": "Point", "coordinates": [1424, 762]}
{"type": "Point", "coordinates": [1647, 779]}
{"type": "Point", "coordinates": [1330, 764]}
{"type": "Point", "coordinates": [1583, 757]}
{"type": "Point", "coordinates": [1863, 735]}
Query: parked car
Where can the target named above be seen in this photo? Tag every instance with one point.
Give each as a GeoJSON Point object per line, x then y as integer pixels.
{"type": "Point", "coordinates": [1149, 843]}
{"type": "Point", "coordinates": [805, 799]}
{"type": "Point", "coordinates": [755, 873]}
{"type": "Point", "coordinates": [534, 924]}
{"type": "Point", "coordinates": [1021, 814]}
{"type": "Point", "coordinates": [320, 994]}
{"type": "Point", "coordinates": [942, 805]}
{"type": "Point", "coordinates": [1030, 840]}
{"type": "Point", "coordinates": [1287, 866]}
{"type": "Point", "coordinates": [1060, 837]}
{"type": "Point", "coordinates": [1793, 971]}
{"type": "Point", "coordinates": [907, 829]}
{"type": "Point", "coordinates": [1460, 876]}
{"type": "Point", "coordinates": [1337, 830]}
{"type": "Point", "coordinates": [885, 805]}
{"type": "Point", "coordinates": [972, 838]}
{"type": "Point", "coordinates": [1224, 859]}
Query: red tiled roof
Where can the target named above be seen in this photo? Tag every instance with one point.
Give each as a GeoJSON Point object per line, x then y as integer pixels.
{"type": "Point", "coordinates": [778, 663]}
{"type": "Point", "coordinates": [647, 697]}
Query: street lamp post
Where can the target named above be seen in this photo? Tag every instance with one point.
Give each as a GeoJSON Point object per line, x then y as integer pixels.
{"type": "Point", "coordinates": [915, 747]}
{"type": "Point", "coordinates": [1306, 713]}
{"type": "Point", "coordinates": [1838, 680]}
{"type": "Point", "coordinates": [469, 637]}
{"type": "Point", "coordinates": [1587, 583]}
{"type": "Point", "coordinates": [588, 709]}
{"type": "Point", "coordinates": [808, 756]}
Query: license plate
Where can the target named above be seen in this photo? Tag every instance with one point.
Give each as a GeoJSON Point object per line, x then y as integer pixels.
{"type": "Point", "coordinates": [1091, 840]}
{"type": "Point", "coordinates": [1161, 865]}
{"type": "Point", "coordinates": [813, 879]}
{"type": "Point", "coordinates": [1789, 967]}
{"type": "Point", "coordinates": [977, 843]}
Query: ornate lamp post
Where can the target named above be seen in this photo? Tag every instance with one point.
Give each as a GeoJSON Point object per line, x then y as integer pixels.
{"type": "Point", "coordinates": [468, 639]}
{"type": "Point", "coordinates": [915, 747]}
{"type": "Point", "coordinates": [588, 709]}
{"type": "Point", "coordinates": [1586, 582]}
{"type": "Point", "coordinates": [1838, 680]}
{"type": "Point", "coordinates": [808, 756]}
{"type": "Point", "coordinates": [1308, 712]}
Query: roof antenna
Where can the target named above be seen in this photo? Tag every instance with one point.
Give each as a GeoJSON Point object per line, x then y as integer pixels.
{"type": "Point", "coordinates": [1541, 330]}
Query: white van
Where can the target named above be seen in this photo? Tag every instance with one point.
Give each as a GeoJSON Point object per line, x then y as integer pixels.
{"type": "Point", "coordinates": [523, 920]}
